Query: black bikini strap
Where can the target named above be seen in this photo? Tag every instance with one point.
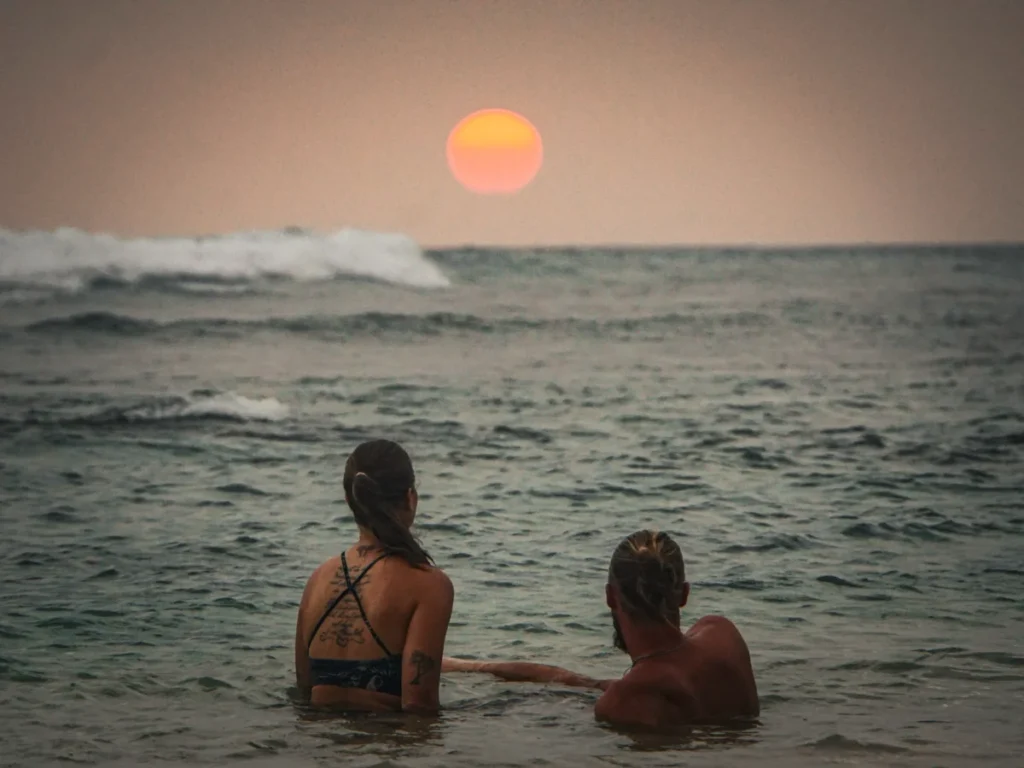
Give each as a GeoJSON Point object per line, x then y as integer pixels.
{"type": "Point", "coordinates": [349, 587]}
{"type": "Point", "coordinates": [359, 603]}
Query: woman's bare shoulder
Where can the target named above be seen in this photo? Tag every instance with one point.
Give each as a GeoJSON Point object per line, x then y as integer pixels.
{"type": "Point", "coordinates": [323, 572]}
{"type": "Point", "coordinates": [435, 578]}
{"type": "Point", "coordinates": [430, 584]}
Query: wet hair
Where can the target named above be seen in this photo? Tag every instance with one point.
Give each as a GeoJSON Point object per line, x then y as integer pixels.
{"type": "Point", "coordinates": [378, 478]}
{"type": "Point", "coordinates": [648, 569]}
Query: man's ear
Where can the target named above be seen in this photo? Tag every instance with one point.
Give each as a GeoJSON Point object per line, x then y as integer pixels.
{"type": "Point", "coordinates": [686, 594]}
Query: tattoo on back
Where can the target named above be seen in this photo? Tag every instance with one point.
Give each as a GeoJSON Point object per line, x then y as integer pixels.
{"type": "Point", "coordinates": [345, 624]}
{"type": "Point", "coordinates": [423, 663]}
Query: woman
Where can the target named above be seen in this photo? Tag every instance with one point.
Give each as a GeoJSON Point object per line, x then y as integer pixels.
{"type": "Point", "coordinates": [372, 623]}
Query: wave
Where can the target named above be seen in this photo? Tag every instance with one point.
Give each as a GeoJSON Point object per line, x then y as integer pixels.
{"type": "Point", "coordinates": [836, 742]}
{"type": "Point", "coordinates": [69, 260]}
{"type": "Point", "coordinates": [199, 406]}
{"type": "Point", "coordinates": [375, 323]}
{"type": "Point", "coordinates": [227, 405]}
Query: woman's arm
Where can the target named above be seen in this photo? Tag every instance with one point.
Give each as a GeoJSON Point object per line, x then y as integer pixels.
{"type": "Point", "coordinates": [524, 672]}
{"type": "Point", "coordinates": [302, 678]}
{"type": "Point", "coordinates": [424, 647]}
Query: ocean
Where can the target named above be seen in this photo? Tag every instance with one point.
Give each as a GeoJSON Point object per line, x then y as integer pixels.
{"type": "Point", "coordinates": [835, 437]}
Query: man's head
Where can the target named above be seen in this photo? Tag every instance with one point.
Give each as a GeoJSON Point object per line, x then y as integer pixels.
{"type": "Point", "coordinates": [646, 582]}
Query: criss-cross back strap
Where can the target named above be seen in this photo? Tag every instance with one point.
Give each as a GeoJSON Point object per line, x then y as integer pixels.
{"type": "Point", "coordinates": [359, 603]}
{"type": "Point", "coordinates": [350, 586]}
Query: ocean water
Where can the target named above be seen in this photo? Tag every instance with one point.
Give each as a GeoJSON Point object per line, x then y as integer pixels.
{"type": "Point", "coordinates": [836, 438]}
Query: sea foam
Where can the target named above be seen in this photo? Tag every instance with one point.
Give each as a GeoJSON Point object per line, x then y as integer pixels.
{"type": "Point", "coordinates": [231, 405]}
{"type": "Point", "coordinates": [72, 260]}
{"type": "Point", "coordinates": [226, 406]}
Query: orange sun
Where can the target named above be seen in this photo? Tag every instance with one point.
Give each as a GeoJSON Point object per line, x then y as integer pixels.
{"type": "Point", "coordinates": [494, 152]}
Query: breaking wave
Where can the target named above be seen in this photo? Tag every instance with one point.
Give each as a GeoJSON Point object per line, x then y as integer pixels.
{"type": "Point", "coordinates": [199, 406]}
{"type": "Point", "coordinates": [69, 260]}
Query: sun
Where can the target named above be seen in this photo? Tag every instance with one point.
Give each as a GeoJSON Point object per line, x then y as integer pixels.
{"type": "Point", "coordinates": [494, 152]}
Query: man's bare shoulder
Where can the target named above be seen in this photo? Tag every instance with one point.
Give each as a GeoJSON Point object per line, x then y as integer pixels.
{"type": "Point", "coordinates": [718, 626]}
{"type": "Point", "coordinates": [643, 700]}
{"type": "Point", "coordinates": [718, 637]}
{"type": "Point", "coordinates": [714, 621]}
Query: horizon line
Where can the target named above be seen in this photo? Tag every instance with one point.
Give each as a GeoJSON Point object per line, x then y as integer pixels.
{"type": "Point", "coordinates": [732, 246]}
{"type": "Point", "coordinates": [718, 245]}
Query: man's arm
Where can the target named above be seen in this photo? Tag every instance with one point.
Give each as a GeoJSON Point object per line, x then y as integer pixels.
{"type": "Point", "coordinates": [524, 672]}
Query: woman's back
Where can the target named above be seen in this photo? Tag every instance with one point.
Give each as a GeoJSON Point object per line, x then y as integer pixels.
{"type": "Point", "coordinates": [364, 604]}
{"type": "Point", "coordinates": [372, 622]}
{"type": "Point", "coordinates": [375, 639]}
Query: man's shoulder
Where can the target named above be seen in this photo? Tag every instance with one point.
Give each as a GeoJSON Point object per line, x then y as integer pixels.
{"type": "Point", "coordinates": [718, 626]}
{"type": "Point", "coordinates": [714, 621]}
{"type": "Point", "coordinates": [645, 700]}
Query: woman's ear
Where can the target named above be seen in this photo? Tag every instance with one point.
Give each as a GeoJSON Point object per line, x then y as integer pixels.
{"type": "Point", "coordinates": [412, 499]}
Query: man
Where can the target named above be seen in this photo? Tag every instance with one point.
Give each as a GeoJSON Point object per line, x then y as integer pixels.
{"type": "Point", "coordinates": [700, 676]}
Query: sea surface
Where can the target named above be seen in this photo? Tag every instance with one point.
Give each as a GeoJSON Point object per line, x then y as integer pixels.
{"type": "Point", "coordinates": [836, 438]}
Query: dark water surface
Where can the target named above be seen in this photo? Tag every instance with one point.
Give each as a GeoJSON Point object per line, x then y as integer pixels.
{"type": "Point", "coordinates": [836, 438]}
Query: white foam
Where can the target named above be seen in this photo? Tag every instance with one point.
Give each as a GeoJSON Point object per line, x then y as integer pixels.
{"type": "Point", "coordinates": [68, 259]}
{"type": "Point", "coordinates": [221, 405]}
{"type": "Point", "coordinates": [231, 405]}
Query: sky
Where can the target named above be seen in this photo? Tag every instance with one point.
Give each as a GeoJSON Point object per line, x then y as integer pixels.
{"type": "Point", "coordinates": [663, 121]}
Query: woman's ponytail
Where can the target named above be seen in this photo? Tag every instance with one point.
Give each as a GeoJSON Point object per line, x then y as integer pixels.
{"type": "Point", "coordinates": [378, 513]}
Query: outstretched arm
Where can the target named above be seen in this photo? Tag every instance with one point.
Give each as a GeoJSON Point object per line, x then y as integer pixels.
{"type": "Point", "coordinates": [524, 672]}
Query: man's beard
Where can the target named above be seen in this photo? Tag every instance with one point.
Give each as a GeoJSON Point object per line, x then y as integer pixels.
{"type": "Point", "coordinates": [617, 638]}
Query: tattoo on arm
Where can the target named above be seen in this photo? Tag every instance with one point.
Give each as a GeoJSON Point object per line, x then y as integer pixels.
{"type": "Point", "coordinates": [423, 663]}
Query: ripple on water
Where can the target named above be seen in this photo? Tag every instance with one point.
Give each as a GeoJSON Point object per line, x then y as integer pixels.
{"type": "Point", "coordinates": [102, 613]}
{"type": "Point", "coordinates": [842, 744]}
{"type": "Point", "coordinates": [781, 542]}
{"type": "Point", "coordinates": [912, 530]}
{"type": "Point", "coordinates": [64, 622]}
{"type": "Point", "coordinates": [62, 514]}
{"type": "Point", "coordinates": [746, 585]}
{"type": "Point", "coordinates": [106, 573]}
{"type": "Point", "coordinates": [241, 488]}
{"type": "Point", "coordinates": [207, 683]}
{"type": "Point", "coordinates": [529, 628]}
{"type": "Point", "coordinates": [236, 604]}
{"type": "Point", "coordinates": [523, 433]}
{"type": "Point", "coordinates": [16, 671]}
{"type": "Point", "coordinates": [838, 581]}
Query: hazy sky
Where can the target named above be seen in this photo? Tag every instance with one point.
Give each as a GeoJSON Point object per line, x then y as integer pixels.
{"type": "Point", "coordinates": [712, 121]}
